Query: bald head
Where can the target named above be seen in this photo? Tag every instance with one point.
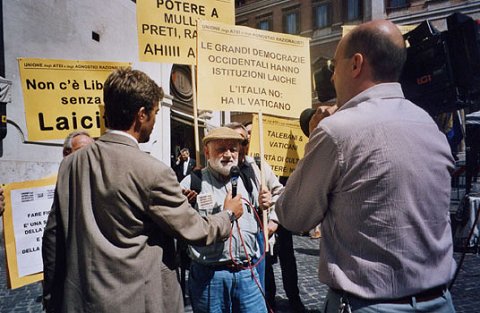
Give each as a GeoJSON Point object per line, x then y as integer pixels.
{"type": "Point", "coordinates": [387, 28]}
{"type": "Point", "coordinates": [370, 54]}
{"type": "Point", "coordinates": [381, 44]}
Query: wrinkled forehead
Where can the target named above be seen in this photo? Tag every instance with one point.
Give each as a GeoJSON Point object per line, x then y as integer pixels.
{"type": "Point", "coordinates": [224, 143]}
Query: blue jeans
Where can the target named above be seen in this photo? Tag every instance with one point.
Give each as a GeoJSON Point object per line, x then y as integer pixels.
{"type": "Point", "coordinates": [223, 290]}
{"type": "Point", "coordinates": [261, 265]}
{"type": "Point", "coordinates": [442, 304]}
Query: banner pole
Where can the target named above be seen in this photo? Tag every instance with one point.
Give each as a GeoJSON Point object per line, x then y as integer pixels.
{"type": "Point", "coordinates": [262, 178]}
{"type": "Point", "coordinates": [195, 117]}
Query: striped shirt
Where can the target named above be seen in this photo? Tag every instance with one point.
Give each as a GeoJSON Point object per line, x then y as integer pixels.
{"type": "Point", "coordinates": [376, 175]}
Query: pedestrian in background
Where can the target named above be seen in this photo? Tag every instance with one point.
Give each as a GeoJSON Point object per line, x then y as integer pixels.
{"type": "Point", "coordinates": [376, 175]}
{"type": "Point", "coordinates": [76, 140]}
{"type": "Point", "coordinates": [184, 165]}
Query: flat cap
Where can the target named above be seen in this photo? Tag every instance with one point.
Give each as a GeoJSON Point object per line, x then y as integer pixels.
{"type": "Point", "coordinates": [222, 133]}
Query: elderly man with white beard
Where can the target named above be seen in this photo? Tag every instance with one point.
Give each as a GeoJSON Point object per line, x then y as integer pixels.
{"type": "Point", "coordinates": [222, 277]}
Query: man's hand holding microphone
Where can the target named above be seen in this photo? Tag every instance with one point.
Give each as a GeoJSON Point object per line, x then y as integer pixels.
{"type": "Point", "coordinates": [233, 202]}
{"type": "Point", "coordinates": [310, 118]}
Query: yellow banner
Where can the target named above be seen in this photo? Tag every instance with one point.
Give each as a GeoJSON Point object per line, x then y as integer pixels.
{"type": "Point", "coordinates": [27, 206]}
{"type": "Point", "coordinates": [249, 70]}
{"type": "Point", "coordinates": [62, 96]}
{"type": "Point", "coordinates": [167, 29]}
{"type": "Point", "coordinates": [284, 143]}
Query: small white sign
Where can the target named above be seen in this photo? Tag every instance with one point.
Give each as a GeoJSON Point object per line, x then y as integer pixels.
{"type": "Point", "coordinates": [205, 203]}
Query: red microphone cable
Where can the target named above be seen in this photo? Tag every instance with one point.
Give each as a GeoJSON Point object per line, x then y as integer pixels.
{"type": "Point", "coordinates": [250, 265]}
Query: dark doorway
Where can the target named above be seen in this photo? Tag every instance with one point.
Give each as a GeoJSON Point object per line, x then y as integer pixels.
{"type": "Point", "coordinates": [182, 136]}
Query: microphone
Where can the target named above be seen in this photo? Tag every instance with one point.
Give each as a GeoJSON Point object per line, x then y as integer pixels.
{"type": "Point", "coordinates": [234, 174]}
{"type": "Point", "coordinates": [305, 118]}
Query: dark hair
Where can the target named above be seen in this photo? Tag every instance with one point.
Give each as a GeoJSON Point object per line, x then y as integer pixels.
{"type": "Point", "coordinates": [385, 56]}
{"type": "Point", "coordinates": [125, 91]}
{"type": "Point", "coordinates": [247, 123]}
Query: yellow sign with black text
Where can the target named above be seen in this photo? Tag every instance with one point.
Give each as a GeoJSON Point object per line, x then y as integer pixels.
{"type": "Point", "coordinates": [167, 30]}
{"type": "Point", "coordinates": [61, 96]}
{"type": "Point", "coordinates": [249, 70]}
{"type": "Point", "coordinates": [284, 143]}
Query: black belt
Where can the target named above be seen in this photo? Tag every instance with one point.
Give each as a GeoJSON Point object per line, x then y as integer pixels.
{"type": "Point", "coordinates": [423, 296]}
{"type": "Point", "coordinates": [227, 266]}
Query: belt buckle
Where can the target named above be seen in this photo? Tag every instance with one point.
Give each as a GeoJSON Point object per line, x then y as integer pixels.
{"type": "Point", "coordinates": [231, 265]}
{"type": "Point", "coordinates": [238, 266]}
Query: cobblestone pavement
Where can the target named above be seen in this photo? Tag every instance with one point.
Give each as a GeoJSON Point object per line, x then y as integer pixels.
{"type": "Point", "coordinates": [466, 291]}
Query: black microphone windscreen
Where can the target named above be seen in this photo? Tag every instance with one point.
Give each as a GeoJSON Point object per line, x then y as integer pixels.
{"type": "Point", "coordinates": [305, 118]}
{"type": "Point", "coordinates": [234, 171]}
{"type": "Point", "coordinates": [234, 174]}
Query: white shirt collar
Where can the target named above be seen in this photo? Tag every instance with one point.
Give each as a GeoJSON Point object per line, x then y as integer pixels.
{"type": "Point", "coordinates": [123, 133]}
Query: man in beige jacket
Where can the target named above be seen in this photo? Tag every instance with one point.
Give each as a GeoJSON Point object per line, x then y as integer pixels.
{"type": "Point", "coordinates": [108, 244]}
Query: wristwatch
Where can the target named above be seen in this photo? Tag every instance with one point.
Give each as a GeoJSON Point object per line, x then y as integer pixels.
{"type": "Point", "coordinates": [231, 215]}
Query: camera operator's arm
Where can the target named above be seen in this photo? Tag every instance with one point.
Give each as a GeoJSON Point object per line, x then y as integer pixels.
{"type": "Point", "coordinates": [321, 168]}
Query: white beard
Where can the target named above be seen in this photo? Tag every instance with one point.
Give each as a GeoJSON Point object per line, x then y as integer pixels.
{"type": "Point", "coordinates": [221, 168]}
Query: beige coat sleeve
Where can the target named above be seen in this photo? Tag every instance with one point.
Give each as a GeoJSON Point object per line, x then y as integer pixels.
{"type": "Point", "coordinates": [169, 208]}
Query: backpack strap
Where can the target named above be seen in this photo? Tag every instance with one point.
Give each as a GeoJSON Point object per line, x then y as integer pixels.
{"type": "Point", "coordinates": [196, 180]}
{"type": "Point", "coordinates": [248, 177]}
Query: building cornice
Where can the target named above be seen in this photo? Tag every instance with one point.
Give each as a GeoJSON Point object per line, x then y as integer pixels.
{"type": "Point", "coordinates": [248, 9]}
{"type": "Point", "coordinates": [410, 19]}
{"type": "Point", "coordinates": [435, 14]}
{"type": "Point", "coordinates": [315, 41]}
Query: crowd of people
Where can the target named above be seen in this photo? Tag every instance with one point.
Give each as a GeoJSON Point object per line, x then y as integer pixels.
{"type": "Point", "coordinates": [375, 176]}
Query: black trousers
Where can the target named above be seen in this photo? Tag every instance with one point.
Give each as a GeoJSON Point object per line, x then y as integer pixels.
{"type": "Point", "coordinates": [288, 265]}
